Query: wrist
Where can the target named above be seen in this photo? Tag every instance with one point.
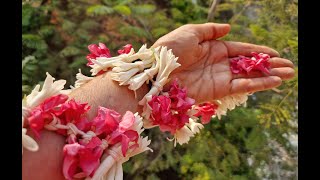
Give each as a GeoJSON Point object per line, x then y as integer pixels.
{"type": "Point", "coordinates": [103, 91]}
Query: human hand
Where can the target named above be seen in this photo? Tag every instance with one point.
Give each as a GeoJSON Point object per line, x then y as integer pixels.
{"type": "Point", "coordinates": [205, 62]}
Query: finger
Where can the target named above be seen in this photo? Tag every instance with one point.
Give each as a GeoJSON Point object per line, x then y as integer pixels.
{"type": "Point", "coordinates": [245, 49]}
{"type": "Point", "coordinates": [276, 62]}
{"type": "Point", "coordinates": [283, 72]}
{"type": "Point", "coordinates": [208, 31]}
{"type": "Point", "coordinates": [254, 84]}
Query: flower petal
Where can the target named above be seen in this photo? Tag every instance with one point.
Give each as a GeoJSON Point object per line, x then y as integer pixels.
{"type": "Point", "coordinates": [127, 121]}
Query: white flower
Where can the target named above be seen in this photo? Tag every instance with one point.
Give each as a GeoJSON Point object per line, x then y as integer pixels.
{"type": "Point", "coordinates": [138, 124]}
{"type": "Point", "coordinates": [81, 79]}
{"type": "Point", "coordinates": [194, 126]}
{"type": "Point", "coordinates": [103, 63]}
{"type": "Point", "coordinates": [167, 63]}
{"type": "Point", "coordinates": [183, 135]}
{"type": "Point", "coordinates": [111, 166]}
{"type": "Point", "coordinates": [123, 77]}
{"type": "Point", "coordinates": [229, 103]}
{"type": "Point", "coordinates": [28, 142]}
{"type": "Point", "coordinates": [49, 89]}
{"type": "Point", "coordinates": [138, 80]}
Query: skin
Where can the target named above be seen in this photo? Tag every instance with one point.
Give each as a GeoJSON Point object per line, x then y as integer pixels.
{"type": "Point", "coordinates": [204, 71]}
{"type": "Point", "coordinates": [205, 68]}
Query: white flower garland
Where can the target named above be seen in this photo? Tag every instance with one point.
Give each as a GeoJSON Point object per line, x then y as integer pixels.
{"type": "Point", "coordinates": [113, 160]}
{"type": "Point", "coordinates": [111, 167]}
{"type": "Point", "coordinates": [229, 103]}
{"type": "Point", "coordinates": [36, 97]}
{"type": "Point", "coordinates": [132, 69]}
{"type": "Point", "coordinates": [135, 69]}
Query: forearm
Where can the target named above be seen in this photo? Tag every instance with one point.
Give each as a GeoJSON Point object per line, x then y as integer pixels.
{"type": "Point", "coordinates": [101, 91]}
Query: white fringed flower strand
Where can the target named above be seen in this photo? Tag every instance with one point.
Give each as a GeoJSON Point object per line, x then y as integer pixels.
{"type": "Point", "coordinates": [49, 88]}
{"type": "Point", "coordinates": [81, 79]}
{"type": "Point", "coordinates": [229, 103]}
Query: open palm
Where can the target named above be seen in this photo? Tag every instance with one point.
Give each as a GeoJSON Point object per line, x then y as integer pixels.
{"type": "Point", "coordinates": [205, 62]}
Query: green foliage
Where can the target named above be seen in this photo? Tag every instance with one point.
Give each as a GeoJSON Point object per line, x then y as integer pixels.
{"type": "Point", "coordinates": [122, 9]}
{"type": "Point", "coordinates": [55, 36]}
{"type": "Point", "coordinates": [33, 42]}
{"type": "Point", "coordinates": [99, 10]}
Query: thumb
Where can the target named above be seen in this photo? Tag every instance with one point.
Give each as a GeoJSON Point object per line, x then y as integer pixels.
{"type": "Point", "coordinates": [209, 31]}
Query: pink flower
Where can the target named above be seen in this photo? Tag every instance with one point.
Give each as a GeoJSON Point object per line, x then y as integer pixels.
{"type": "Point", "coordinates": [70, 160]}
{"type": "Point", "coordinates": [126, 49]}
{"type": "Point", "coordinates": [73, 112]}
{"type": "Point", "coordinates": [82, 159]}
{"type": "Point", "coordinates": [43, 113]}
{"type": "Point", "coordinates": [123, 133]}
{"type": "Point", "coordinates": [244, 64]}
{"type": "Point", "coordinates": [105, 122]}
{"type": "Point", "coordinates": [206, 111]}
{"type": "Point", "coordinates": [97, 51]}
{"type": "Point", "coordinates": [262, 62]}
{"type": "Point", "coordinates": [66, 111]}
{"type": "Point", "coordinates": [179, 100]}
{"type": "Point", "coordinates": [170, 112]}
{"type": "Point", "coordinates": [161, 113]}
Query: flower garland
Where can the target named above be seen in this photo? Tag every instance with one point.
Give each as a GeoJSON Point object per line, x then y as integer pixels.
{"type": "Point", "coordinates": [97, 149]}
{"type": "Point", "coordinates": [172, 111]}
{"type": "Point", "coordinates": [107, 136]}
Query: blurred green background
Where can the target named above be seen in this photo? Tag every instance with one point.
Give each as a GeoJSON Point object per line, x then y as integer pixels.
{"type": "Point", "coordinates": [256, 142]}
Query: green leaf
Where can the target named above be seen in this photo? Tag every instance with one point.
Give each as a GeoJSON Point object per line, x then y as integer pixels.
{"type": "Point", "coordinates": [123, 2]}
{"type": "Point", "coordinates": [122, 9]}
{"type": "Point", "coordinates": [89, 25]}
{"type": "Point", "coordinates": [133, 31]}
{"type": "Point", "coordinates": [46, 31]}
{"type": "Point", "coordinates": [259, 32]}
{"type": "Point", "coordinates": [68, 26]}
{"type": "Point", "coordinates": [177, 14]}
{"type": "Point", "coordinates": [99, 10]}
{"type": "Point", "coordinates": [225, 7]}
{"type": "Point", "coordinates": [143, 9]}
{"type": "Point", "coordinates": [27, 12]}
{"type": "Point", "coordinates": [78, 62]}
{"type": "Point", "coordinates": [69, 51]}
{"type": "Point", "coordinates": [33, 41]}
{"type": "Point", "coordinates": [158, 32]}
